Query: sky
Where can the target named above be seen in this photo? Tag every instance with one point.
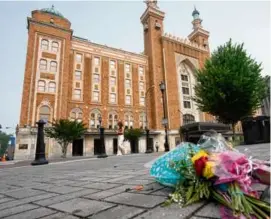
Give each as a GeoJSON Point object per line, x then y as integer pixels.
{"type": "Point", "coordinates": [117, 24]}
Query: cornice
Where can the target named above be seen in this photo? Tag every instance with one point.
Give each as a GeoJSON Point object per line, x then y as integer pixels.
{"type": "Point", "coordinates": [102, 50]}
{"type": "Point", "coordinates": [200, 31]}
{"type": "Point", "coordinates": [31, 20]}
{"type": "Point", "coordinates": [152, 11]}
{"type": "Point", "coordinates": [183, 41]}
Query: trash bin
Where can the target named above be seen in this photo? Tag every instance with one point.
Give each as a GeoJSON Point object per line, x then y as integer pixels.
{"type": "Point", "coordinates": [249, 131]}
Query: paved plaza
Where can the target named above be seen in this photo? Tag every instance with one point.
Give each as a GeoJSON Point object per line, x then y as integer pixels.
{"type": "Point", "coordinates": [96, 188]}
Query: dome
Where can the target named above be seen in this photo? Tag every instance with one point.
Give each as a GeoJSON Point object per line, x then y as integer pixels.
{"type": "Point", "coordinates": [195, 12]}
{"type": "Point", "coordinates": [52, 11]}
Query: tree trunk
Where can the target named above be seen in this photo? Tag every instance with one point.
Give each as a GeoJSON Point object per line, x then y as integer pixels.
{"type": "Point", "coordinates": [64, 150]}
{"type": "Point", "coordinates": [233, 132]}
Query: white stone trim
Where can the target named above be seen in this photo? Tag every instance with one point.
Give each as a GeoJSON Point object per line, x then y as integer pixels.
{"type": "Point", "coordinates": [38, 71]}
{"type": "Point", "coordinates": [179, 59]}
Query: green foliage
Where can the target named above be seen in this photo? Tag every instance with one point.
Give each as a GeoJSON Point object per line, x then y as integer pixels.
{"type": "Point", "coordinates": [133, 134]}
{"type": "Point", "coordinates": [230, 85]}
{"type": "Point", "coordinates": [4, 139]}
{"type": "Point", "coordinates": [65, 132]}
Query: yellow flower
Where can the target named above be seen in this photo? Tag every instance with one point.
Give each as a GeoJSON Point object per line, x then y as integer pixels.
{"type": "Point", "coordinates": [198, 155]}
{"type": "Point", "coordinates": [208, 171]}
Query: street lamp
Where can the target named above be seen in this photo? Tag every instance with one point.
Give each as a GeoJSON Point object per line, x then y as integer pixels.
{"type": "Point", "coordinates": [102, 152]}
{"type": "Point", "coordinates": [148, 146]}
{"type": "Point", "coordinates": [165, 122]}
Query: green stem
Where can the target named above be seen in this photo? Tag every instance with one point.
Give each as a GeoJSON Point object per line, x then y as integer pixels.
{"type": "Point", "coordinates": [261, 213]}
{"type": "Point", "coordinates": [263, 205]}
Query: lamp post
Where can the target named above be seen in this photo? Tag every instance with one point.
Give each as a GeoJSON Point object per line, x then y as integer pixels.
{"type": "Point", "coordinates": [40, 146]}
{"type": "Point", "coordinates": [102, 152]}
{"type": "Point", "coordinates": [165, 122]}
{"type": "Point", "coordinates": [148, 146]}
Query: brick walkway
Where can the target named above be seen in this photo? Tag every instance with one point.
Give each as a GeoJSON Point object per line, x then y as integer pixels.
{"type": "Point", "coordinates": [95, 188]}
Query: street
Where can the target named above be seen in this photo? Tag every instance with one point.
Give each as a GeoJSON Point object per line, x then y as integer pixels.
{"type": "Point", "coordinates": [97, 188]}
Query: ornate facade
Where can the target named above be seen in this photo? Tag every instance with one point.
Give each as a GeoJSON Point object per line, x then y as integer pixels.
{"type": "Point", "coordinates": [71, 77]}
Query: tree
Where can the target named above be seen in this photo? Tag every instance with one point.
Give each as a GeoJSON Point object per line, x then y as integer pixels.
{"type": "Point", "coordinates": [132, 135]}
{"type": "Point", "coordinates": [4, 139]}
{"type": "Point", "coordinates": [65, 132]}
{"type": "Point", "coordinates": [230, 85]}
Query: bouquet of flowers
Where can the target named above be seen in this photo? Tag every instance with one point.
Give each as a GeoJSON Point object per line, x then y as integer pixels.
{"type": "Point", "coordinates": [212, 169]}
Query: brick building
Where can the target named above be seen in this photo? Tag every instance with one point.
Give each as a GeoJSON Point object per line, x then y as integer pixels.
{"type": "Point", "coordinates": [71, 77]}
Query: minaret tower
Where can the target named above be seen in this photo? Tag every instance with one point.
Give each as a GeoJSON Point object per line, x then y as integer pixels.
{"type": "Point", "coordinates": [199, 35]}
{"type": "Point", "coordinates": [152, 20]}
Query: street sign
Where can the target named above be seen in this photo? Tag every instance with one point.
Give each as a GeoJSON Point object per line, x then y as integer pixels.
{"type": "Point", "coordinates": [164, 121]}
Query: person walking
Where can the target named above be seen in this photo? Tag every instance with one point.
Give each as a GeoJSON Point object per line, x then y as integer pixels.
{"type": "Point", "coordinates": [120, 139]}
{"type": "Point", "coordinates": [157, 146]}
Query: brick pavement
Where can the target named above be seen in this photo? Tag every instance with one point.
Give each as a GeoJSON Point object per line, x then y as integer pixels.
{"type": "Point", "coordinates": [97, 189]}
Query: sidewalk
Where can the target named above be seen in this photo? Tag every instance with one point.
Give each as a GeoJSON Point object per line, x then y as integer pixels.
{"type": "Point", "coordinates": [96, 189]}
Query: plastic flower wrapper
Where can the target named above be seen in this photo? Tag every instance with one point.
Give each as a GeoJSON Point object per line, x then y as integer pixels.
{"type": "Point", "coordinates": [213, 142]}
{"type": "Point", "coordinates": [161, 167]}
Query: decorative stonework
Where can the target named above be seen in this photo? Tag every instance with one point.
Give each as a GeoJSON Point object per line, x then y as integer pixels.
{"type": "Point", "coordinates": [45, 102]}
{"type": "Point", "coordinates": [184, 41]}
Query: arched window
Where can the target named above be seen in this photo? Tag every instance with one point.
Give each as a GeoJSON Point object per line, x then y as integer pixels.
{"type": "Point", "coordinates": [55, 46]}
{"type": "Point", "coordinates": [188, 118]}
{"type": "Point", "coordinates": [94, 119]}
{"type": "Point", "coordinates": [43, 64]}
{"type": "Point", "coordinates": [112, 120]}
{"type": "Point", "coordinates": [44, 44]}
{"type": "Point", "coordinates": [52, 87]}
{"type": "Point", "coordinates": [76, 114]}
{"type": "Point", "coordinates": [129, 121]}
{"type": "Point", "coordinates": [142, 121]}
{"type": "Point", "coordinates": [41, 86]}
{"type": "Point", "coordinates": [53, 66]}
{"type": "Point", "coordinates": [44, 113]}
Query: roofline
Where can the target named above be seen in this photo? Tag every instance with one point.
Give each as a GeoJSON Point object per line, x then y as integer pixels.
{"type": "Point", "coordinates": [47, 24]}
{"type": "Point", "coordinates": [185, 44]}
{"type": "Point", "coordinates": [43, 12]}
{"type": "Point", "coordinates": [155, 11]}
{"type": "Point", "coordinates": [108, 47]}
{"type": "Point", "coordinates": [200, 30]}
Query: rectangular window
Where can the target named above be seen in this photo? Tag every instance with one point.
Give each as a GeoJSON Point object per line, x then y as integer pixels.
{"type": "Point", "coordinates": [128, 100]}
{"type": "Point", "coordinates": [141, 85]}
{"type": "Point", "coordinates": [112, 81]}
{"type": "Point", "coordinates": [185, 90]}
{"type": "Point", "coordinates": [78, 58]}
{"type": "Point", "coordinates": [43, 64]}
{"type": "Point", "coordinates": [95, 96]}
{"type": "Point", "coordinates": [97, 61]}
{"type": "Point", "coordinates": [112, 98]}
{"type": "Point", "coordinates": [112, 64]}
{"type": "Point", "coordinates": [55, 46]}
{"type": "Point", "coordinates": [184, 77]}
{"type": "Point", "coordinates": [142, 101]}
{"type": "Point", "coordinates": [187, 104]}
{"type": "Point", "coordinates": [141, 71]}
{"type": "Point", "coordinates": [77, 94]}
{"type": "Point", "coordinates": [53, 66]}
{"type": "Point", "coordinates": [41, 86]}
{"type": "Point", "coordinates": [96, 78]}
{"type": "Point", "coordinates": [78, 75]}
{"type": "Point", "coordinates": [127, 67]}
{"type": "Point", "coordinates": [128, 83]}
{"type": "Point", "coordinates": [52, 87]}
